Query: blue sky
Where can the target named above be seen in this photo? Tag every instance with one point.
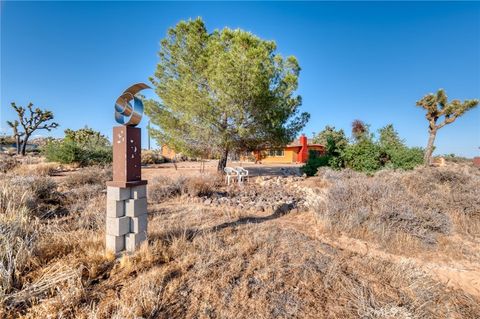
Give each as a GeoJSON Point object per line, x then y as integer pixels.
{"type": "Point", "coordinates": [370, 61]}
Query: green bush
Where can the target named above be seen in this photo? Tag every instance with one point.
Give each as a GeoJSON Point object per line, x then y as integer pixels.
{"type": "Point", "coordinates": [363, 156]}
{"type": "Point", "coordinates": [363, 153]}
{"type": "Point", "coordinates": [314, 162]}
{"type": "Point", "coordinates": [81, 151]}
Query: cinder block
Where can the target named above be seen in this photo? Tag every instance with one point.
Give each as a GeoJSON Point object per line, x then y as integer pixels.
{"type": "Point", "coordinates": [114, 244]}
{"type": "Point", "coordinates": [132, 241]}
{"type": "Point", "coordinates": [115, 208]}
{"type": "Point", "coordinates": [139, 191]}
{"type": "Point", "coordinates": [118, 226]}
{"type": "Point", "coordinates": [135, 207]}
{"type": "Point", "coordinates": [138, 224]}
{"type": "Point", "coordinates": [117, 193]}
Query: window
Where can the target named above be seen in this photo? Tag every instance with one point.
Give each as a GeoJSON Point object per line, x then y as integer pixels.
{"type": "Point", "coordinates": [276, 153]}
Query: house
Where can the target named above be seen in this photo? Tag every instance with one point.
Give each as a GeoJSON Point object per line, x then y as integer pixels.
{"type": "Point", "coordinates": [295, 152]}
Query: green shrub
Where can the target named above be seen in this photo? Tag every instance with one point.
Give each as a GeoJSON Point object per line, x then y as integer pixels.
{"type": "Point", "coordinates": [363, 156]}
{"type": "Point", "coordinates": [67, 151]}
{"type": "Point", "coordinates": [314, 162]}
{"type": "Point", "coordinates": [405, 157]}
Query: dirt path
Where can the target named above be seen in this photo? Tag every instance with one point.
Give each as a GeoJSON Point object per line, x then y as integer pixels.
{"type": "Point", "coordinates": [462, 274]}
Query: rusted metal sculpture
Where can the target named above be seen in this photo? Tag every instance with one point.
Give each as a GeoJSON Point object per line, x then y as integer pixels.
{"type": "Point", "coordinates": [126, 222]}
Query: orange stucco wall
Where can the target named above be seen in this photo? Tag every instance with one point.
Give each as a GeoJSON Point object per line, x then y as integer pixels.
{"type": "Point", "coordinates": [167, 152]}
{"type": "Point", "coordinates": [289, 156]}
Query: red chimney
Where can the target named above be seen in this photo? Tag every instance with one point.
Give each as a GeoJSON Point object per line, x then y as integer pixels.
{"type": "Point", "coordinates": [303, 154]}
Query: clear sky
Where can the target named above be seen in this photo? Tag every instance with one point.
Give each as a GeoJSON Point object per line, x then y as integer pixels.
{"type": "Point", "coordinates": [370, 61]}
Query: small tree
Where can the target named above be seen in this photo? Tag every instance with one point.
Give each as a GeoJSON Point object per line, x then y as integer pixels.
{"type": "Point", "coordinates": [359, 130]}
{"type": "Point", "coordinates": [439, 109]}
{"type": "Point", "coordinates": [35, 120]}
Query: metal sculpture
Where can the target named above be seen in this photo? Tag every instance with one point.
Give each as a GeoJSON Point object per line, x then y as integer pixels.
{"type": "Point", "coordinates": [126, 113]}
{"type": "Point", "coordinates": [126, 217]}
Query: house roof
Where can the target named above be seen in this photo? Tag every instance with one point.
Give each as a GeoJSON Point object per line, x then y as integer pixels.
{"type": "Point", "coordinates": [296, 143]}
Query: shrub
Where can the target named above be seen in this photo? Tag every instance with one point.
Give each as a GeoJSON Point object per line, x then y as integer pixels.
{"type": "Point", "coordinates": [163, 188]}
{"type": "Point", "coordinates": [383, 206]}
{"type": "Point", "coordinates": [84, 147]}
{"type": "Point", "coordinates": [365, 153]}
{"type": "Point", "coordinates": [314, 162]}
{"type": "Point", "coordinates": [18, 231]}
{"type": "Point", "coordinates": [152, 157]}
{"type": "Point", "coordinates": [7, 163]}
{"type": "Point", "coordinates": [405, 157]}
{"type": "Point", "coordinates": [67, 151]}
{"type": "Point", "coordinates": [363, 156]}
{"type": "Point", "coordinates": [39, 194]}
{"type": "Point", "coordinates": [94, 175]}
{"type": "Point", "coordinates": [40, 169]}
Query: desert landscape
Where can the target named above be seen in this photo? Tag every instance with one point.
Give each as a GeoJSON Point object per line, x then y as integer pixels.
{"type": "Point", "coordinates": [239, 160]}
{"type": "Point", "coordinates": [338, 245]}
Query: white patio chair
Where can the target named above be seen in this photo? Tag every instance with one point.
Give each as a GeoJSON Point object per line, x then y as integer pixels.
{"type": "Point", "coordinates": [230, 173]}
{"type": "Point", "coordinates": [242, 174]}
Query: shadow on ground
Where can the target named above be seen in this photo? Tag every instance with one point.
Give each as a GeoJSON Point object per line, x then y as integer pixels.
{"type": "Point", "coordinates": [190, 234]}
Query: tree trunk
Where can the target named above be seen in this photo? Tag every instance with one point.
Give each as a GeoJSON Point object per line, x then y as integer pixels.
{"type": "Point", "coordinates": [429, 150]}
{"type": "Point", "coordinates": [223, 161]}
{"type": "Point", "coordinates": [17, 143]}
{"type": "Point", "coordinates": [24, 145]}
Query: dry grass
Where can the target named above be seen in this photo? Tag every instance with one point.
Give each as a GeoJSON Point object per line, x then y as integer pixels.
{"type": "Point", "coordinates": [93, 175]}
{"type": "Point", "coordinates": [162, 188]}
{"type": "Point", "coordinates": [7, 163]}
{"type": "Point", "coordinates": [423, 203]}
{"type": "Point", "coordinates": [39, 169]}
{"type": "Point", "coordinates": [207, 262]}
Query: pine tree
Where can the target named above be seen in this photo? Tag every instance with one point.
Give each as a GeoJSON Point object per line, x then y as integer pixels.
{"type": "Point", "coordinates": [227, 91]}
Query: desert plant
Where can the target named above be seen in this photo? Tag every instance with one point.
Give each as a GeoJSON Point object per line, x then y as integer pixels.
{"type": "Point", "coordinates": [39, 169]}
{"type": "Point", "coordinates": [84, 147]}
{"type": "Point", "coordinates": [438, 108]}
{"type": "Point", "coordinates": [36, 120]}
{"type": "Point", "coordinates": [383, 206]}
{"type": "Point", "coordinates": [93, 175]}
{"type": "Point", "coordinates": [394, 152]}
{"type": "Point", "coordinates": [314, 162]}
{"type": "Point", "coordinates": [152, 157]}
{"type": "Point", "coordinates": [364, 156]}
{"type": "Point", "coordinates": [18, 233]}
{"type": "Point", "coordinates": [7, 163]}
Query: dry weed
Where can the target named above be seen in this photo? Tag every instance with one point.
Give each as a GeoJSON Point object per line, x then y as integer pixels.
{"type": "Point", "coordinates": [7, 163]}
{"type": "Point", "coordinates": [92, 175]}
{"type": "Point", "coordinates": [422, 203]}
{"type": "Point", "coordinates": [162, 188]}
{"type": "Point", "coordinates": [39, 169]}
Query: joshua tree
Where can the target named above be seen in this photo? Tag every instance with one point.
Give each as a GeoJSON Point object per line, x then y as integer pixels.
{"type": "Point", "coordinates": [35, 120]}
{"type": "Point", "coordinates": [438, 108]}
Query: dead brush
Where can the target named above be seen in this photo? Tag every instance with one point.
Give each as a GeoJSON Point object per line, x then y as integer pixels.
{"type": "Point", "coordinates": [7, 163]}
{"type": "Point", "coordinates": [383, 206]}
{"type": "Point", "coordinates": [18, 239]}
{"type": "Point", "coordinates": [162, 188]}
{"type": "Point", "coordinates": [93, 175]}
{"type": "Point", "coordinates": [40, 169]}
{"type": "Point", "coordinates": [266, 272]}
{"type": "Point", "coordinates": [42, 197]}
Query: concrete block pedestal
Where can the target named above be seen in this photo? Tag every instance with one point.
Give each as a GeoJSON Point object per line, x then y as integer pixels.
{"type": "Point", "coordinates": [126, 217]}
